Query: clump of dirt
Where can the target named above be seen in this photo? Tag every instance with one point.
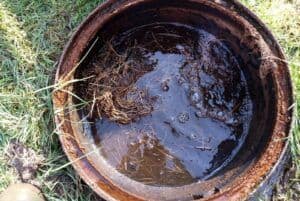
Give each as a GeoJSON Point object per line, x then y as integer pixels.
{"type": "Point", "coordinates": [111, 84]}
{"type": "Point", "coordinates": [24, 160]}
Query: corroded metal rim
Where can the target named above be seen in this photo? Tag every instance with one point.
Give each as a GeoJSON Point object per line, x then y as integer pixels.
{"type": "Point", "coordinates": [74, 144]}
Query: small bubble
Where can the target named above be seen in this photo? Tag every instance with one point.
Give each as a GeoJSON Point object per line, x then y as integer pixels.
{"type": "Point", "coordinates": [141, 141]}
{"type": "Point", "coordinates": [199, 106]}
{"type": "Point", "coordinates": [165, 86]}
{"type": "Point", "coordinates": [194, 89]}
{"type": "Point", "coordinates": [220, 114]}
{"type": "Point", "coordinates": [232, 121]}
{"type": "Point", "coordinates": [132, 166]}
{"type": "Point", "coordinates": [183, 117]}
{"type": "Point", "coordinates": [211, 102]}
{"type": "Point", "coordinates": [199, 114]}
{"type": "Point", "coordinates": [193, 136]}
{"type": "Point", "coordinates": [150, 145]}
{"type": "Point", "coordinates": [195, 97]}
{"type": "Point", "coordinates": [181, 80]}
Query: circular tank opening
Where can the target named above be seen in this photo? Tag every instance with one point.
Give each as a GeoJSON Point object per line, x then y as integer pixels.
{"type": "Point", "coordinates": [169, 103]}
{"type": "Point", "coordinates": [176, 97]}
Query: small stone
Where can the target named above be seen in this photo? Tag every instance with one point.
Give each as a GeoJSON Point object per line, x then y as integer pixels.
{"type": "Point", "coordinates": [24, 159]}
{"type": "Point", "coordinates": [183, 117]}
{"type": "Point", "coordinates": [22, 192]}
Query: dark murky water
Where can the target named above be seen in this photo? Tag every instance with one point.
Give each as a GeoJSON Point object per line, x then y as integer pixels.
{"type": "Point", "coordinates": [201, 109]}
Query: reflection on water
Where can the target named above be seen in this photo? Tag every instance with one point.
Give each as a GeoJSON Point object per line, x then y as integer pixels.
{"type": "Point", "coordinates": [149, 162]}
{"type": "Point", "coordinates": [201, 111]}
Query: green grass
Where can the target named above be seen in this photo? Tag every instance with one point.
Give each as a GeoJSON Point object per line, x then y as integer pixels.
{"type": "Point", "coordinates": [283, 18]}
{"type": "Point", "coordinates": [32, 35]}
